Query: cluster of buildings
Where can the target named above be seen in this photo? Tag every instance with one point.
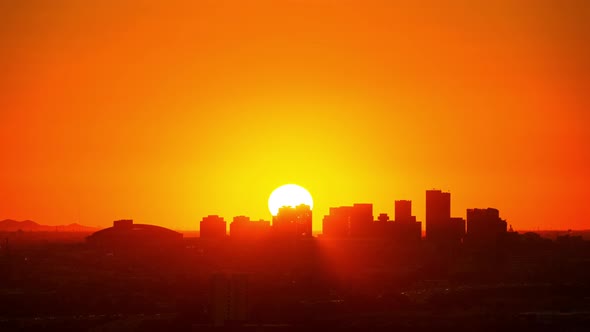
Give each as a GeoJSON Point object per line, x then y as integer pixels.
{"type": "Point", "coordinates": [229, 293]}
{"type": "Point", "coordinates": [289, 222]}
{"type": "Point", "coordinates": [483, 226]}
{"type": "Point", "coordinates": [357, 221]}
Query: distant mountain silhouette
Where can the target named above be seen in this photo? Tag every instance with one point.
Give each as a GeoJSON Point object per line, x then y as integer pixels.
{"type": "Point", "coordinates": [9, 225]}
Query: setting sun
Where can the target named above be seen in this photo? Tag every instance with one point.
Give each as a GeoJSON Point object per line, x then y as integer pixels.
{"type": "Point", "coordinates": [288, 195]}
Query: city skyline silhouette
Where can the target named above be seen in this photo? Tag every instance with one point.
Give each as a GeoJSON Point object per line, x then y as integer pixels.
{"type": "Point", "coordinates": [294, 165]}
{"type": "Point", "coordinates": [271, 275]}
{"type": "Point", "coordinates": [402, 211]}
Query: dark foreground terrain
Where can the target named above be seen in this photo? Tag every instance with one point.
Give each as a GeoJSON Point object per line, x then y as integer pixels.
{"type": "Point", "coordinates": [526, 283]}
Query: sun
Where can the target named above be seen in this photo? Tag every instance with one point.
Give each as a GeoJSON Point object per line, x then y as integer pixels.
{"type": "Point", "coordinates": [288, 195]}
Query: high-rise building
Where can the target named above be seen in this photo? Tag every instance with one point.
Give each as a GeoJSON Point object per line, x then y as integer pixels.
{"type": "Point", "coordinates": [440, 227]}
{"type": "Point", "coordinates": [438, 208]}
{"type": "Point", "coordinates": [484, 226]}
{"type": "Point", "coordinates": [213, 227]}
{"type": "Point", "coordinates": [405, 227]}
{"type": "Point", "coordinates": [438, 213]}
{"type": "Point", "coordinates": [243, 228]}
{"type": "Point", "coordinates": [403, 210]}
{"type": "Point", "coordinates": [293, 221]}
{"type": "Point", "coordinates": [361, 220]}
{"type": "Point", "coordinates": [349, 221]}
{"type": "Point", "coordinates": [337, 223]}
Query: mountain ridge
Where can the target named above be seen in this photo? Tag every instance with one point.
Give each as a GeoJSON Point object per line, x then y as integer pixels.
{"type": "Point", "coordinates": [10, 225]}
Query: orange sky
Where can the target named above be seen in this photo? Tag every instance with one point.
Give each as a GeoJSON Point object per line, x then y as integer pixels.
{"type": "Point", "coordinates": [165, 112]}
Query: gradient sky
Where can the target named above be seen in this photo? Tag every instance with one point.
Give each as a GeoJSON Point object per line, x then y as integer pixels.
{"type": "Point", "coordinates": [165, 111]}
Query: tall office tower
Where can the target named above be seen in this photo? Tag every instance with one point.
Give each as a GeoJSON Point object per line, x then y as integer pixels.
{"type": "Point", "coordinates": [361, 220]}
{"type": "Point", "coordinates": [484, 226]}
{"type": "Point", "coordinates": [438, 215]}
{"type": "Point", "coordinates": [403, 210]}
{"type": "Point", "coordinates": [293, 221]}
{"type": "Point", "coordinates": [405, 228]}
{"type": "Point", "coordinates": [245, 229]}
{"type": "Point", "coordinates": [337, 223]}
{"type": "Point", "coordinates": [213, 227]}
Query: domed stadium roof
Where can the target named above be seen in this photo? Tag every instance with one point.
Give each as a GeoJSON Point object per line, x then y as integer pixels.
{"type": "Point", "coordinates": [125, 232]}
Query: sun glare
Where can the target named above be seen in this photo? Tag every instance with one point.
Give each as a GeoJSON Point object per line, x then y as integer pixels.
{"type": "Point", "coordinates": [288, 195]}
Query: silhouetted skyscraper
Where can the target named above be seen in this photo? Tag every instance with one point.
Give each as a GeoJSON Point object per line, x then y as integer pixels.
{"type": "Point", "coordinates": [440, 227]}
{"type": "Point", "coordinates": [484, 226]}
{"type": "Point", "coordinates": [293, 221]}
{"type": "Point", "coordinates": [438, 213]}
{"type": "Point", "coordinates": [212, 227]}
{"type": "Point", "coordinates": [361, 220]}
{"type": "Point", "coordinates": [403, 210]}
{"type": "Point", "coordinates": [405, 227]}
{"type": "Point", "coordinates": [438, 208]}
{"type": "Point", "coordinates": [337, 223]}
{"type": "Point", "coordinates": [243, 228]}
